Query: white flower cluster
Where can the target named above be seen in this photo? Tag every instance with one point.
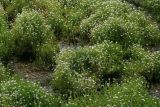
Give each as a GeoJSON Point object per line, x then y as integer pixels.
{"type": "Point", "coordinates": [152, 6]}
{"type": "Point", "coordinates": [119, 22]}
{"type": "Point", "coordinates": [31, 33]}
{"type": "Point", "coordinates": [18, 93]}
{"type": "Point", "coordinates": [130, 93]}
{"type": "Point", "coordinates": [104, 10]}
{"type": "Point", "coordinates": [92, 63]}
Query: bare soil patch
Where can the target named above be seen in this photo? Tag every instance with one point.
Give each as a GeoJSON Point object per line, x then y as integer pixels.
{"type": "Point", "coordinates": [30, 72]}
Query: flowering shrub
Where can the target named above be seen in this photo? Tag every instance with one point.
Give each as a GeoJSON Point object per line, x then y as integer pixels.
{"type": "Point", "coordinates": [5, 39]}
{"type": "Point", "coordinates": [155, 73]}
{"type": "Point", "coordinates": [152, 6]}
{"type": "Point", "coordinates": [139, 61]}
{"type": "Point", "coordinates": [148, 28]}
{"type": "Point", "coordinates": [17, 93]}
{"type": "Point", "coordinates": [102, 58]}
{"type": "Point", "coordinates": [135, 28]}
{"type": "Point", "coordinates": [53, 12]}
{"type": "Point", "coordinates": [132, 92]}
{"type": "Point", "coordinates": [30, 31]}
{"type": "Point", "coordinates": [13, 7]}
{"type": "Point", "coordinates": [46, 55]}
{"type": "Point", "coordinates": [94, 61]}
{"type": "Point", "coordinates": [4, 74]}
{"type": "Point", "coordinates": [74, 12]}
{"type": "Point", "coordinates": [103, 11]}
{"type": "Point", "coordinates": [116, 30]}
{"type": "Point", "coordinates": [71, 84]}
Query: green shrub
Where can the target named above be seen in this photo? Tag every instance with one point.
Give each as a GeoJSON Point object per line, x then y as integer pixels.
{"type": "Point", "coordinates": [134, 28]}
{"type": "Point", "coordinates": [152, 6]}
{"type": "Point", "coordinates": [103, 11]}
{"type": "Point", "coordinates": [30, 31]}
{"type": "Point", "coordinates": [70, 84]}
{"type": "Point", "coordinates": [5, 39]}
{"type": "Point", "coordinates": [102, 58]}
{"type": "Point", "coordinates": [155, 73]}
{"type": "Point", "coordinates": [143, 62]}
{"type": "Point", "coordinates": [74, 13]}
{"type": "Point", "coordinates": [46, 55]}
{"type": "Point", "coordinates": [18, 93]}
{"type": "Point", "coordinates": [148, 28]}
{"type": "Point", "coordinates": [139, 61]}
{"type": "Point", "coordinates": [116, 30]}
{"type": "Point", "coordinates": [53, 12]}
{"type": "Point", "coordinates": [131, 93]}
{"type": "Point", "coordinates": [13, 7]}
{"type": "Point", "coordinates": [95, 61]}
{"type": "Point", "coordinates": [4, 74]}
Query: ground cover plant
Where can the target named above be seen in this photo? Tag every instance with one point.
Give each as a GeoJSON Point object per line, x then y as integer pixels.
{"type": "Point", "coordinates": [151, 6]}
{"type": "Point", "coordinates": [79, 53]}
{"type": "Point", "coordinates": [88, 61]}
{"type": "Point", "coordinates": [20, 93]}
{"type": "Point", "coordinates": [5, 38]}
{"type": "Point", "coordinates": [130, 93]}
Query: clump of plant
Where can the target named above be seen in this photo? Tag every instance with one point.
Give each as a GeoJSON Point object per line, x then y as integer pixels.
{"type": "Point", "coordinates": [4, 74]}
{"type": "Point", "coordinates": [128, 30]}
{"type": "Point", "coordinates": [13, 7]}
{"type": "Point", "coordinates": [74, 14]}
{"type": "Point", "coordinates": [17, 92]}
{"type": "Point", "coordinates": [132, 92]}
{"type": "Point", "coordinates": [155, 72]}
{"type": "Point", "coordinates": [94, 58]}
{"type": "Point", "coordinates": [96, 62]}
{"type": "Point", "coordinates": [152, 6]}
{"type": "Point", "coordinates": [30, 31]}
{"type": "Point", "coordinates": [138, 61]}
{"type": "Point", "coordinates": [52, 10]}
{"type": "Point", "coordinates": [71, 84]}
{"type": "Point", "coordinates": [46, 55]}
{"type": "Point", "coordinates": [6, 42]}
{"type": "Point", "coordinates": [143, 62]}
{"type": "Point", "coordinates": [104, 10]}
{"type": "Point", "coordinates": [34, 39]}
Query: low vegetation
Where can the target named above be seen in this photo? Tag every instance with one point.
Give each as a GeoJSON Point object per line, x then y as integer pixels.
{"type": "Point", "coordinates": [109, 60]}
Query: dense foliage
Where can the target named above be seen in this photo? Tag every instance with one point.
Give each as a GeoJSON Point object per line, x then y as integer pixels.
{"type": "Point", "coordinates": [130, 93]}
{"type": "Point", "coordinates": [4, 74]}
{"type": "Point", "coordinates": [110, 59]}
{"type": "Point", "coordinates": [18, 93]}
{"type": "Point", "coordinates": [31, 35]}
{"type": "Point", "coordinates": [128, 30]}
{"type": "Point", "coordinates": [151, 6]}
{"type": "Point", "coordinates": [29, 31]}
{"type": "Point", "coordinates": [90, 63]}
{"type": "Point", "coordinates": [5, 38]}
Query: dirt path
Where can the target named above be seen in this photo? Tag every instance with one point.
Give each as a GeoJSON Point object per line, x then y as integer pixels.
{"type": "Point", "coordinates": [32, 73]}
